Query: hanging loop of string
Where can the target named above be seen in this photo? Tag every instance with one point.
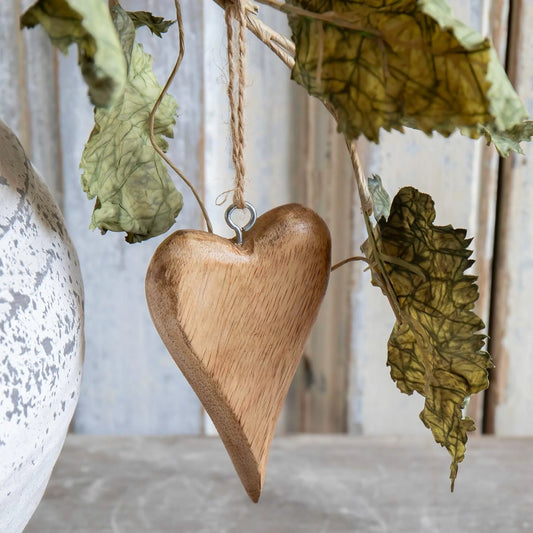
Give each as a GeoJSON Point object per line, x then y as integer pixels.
{"type": "Point", "coordinates": [235, 10]}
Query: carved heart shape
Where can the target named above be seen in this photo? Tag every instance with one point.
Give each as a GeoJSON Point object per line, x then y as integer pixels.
{"type": "Point", "coordinates": [235, 319]}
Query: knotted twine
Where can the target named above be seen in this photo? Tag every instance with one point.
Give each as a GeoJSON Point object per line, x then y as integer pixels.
{"type": "Point", "coordinates": [235, 10]}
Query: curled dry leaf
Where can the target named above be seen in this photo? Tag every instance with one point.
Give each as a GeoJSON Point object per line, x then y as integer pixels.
{"type": "Point", "coordinates": [398, 63]}
{"type": "Point", "coordinates": [130, 181]}
{"type": "Point", "coordinates": [157, 25]}
{"type": "Point", "coordinates": [510, 140]}
{"type": "Point", "coordinates": [88, 24]}
{"type": "Point", "coordinates": [435, 347]}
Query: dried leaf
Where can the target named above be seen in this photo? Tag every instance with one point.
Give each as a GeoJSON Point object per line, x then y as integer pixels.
{"type": "Point", "coordinates": [398, 63]}
{"type": "Point", "coordinates": [435, 347]}
{"type": "Point", "coordinates": [88, 24]}
{"type": "Point", "coordinates": [380, 197]}
{"type": "Point", "coordinates": [134, 191]}
{"type": "Point", "coordinates": [510, 140]}
{"type": "Point", "coordinates": [157, 25]}
{"type": "Point", "coordinates": [125, 29]}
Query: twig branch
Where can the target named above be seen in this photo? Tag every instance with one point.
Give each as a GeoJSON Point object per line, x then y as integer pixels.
{"type": "Point", "coordinates": [279, 44]}
{"type": "Point", "coordinates": [285, 49]}
{"type": "Point", "coordinates": [282, 46]}
{"type": "Point", "coordinates": [362, 183]}
{"type": "Point", "coordinates": [349, 260]}
{"type": "Point", "coordinates": [378, 269]}
{"type": "Point", "coordinates": [327, 16]}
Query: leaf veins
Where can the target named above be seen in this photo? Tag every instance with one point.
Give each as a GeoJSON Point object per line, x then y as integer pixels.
{"type": "Point", "coordinates": [120, 166]}
{"type": "Point", "coordinates": [404, 63]}
{"type": "Point", "coordinates": [435, 347]}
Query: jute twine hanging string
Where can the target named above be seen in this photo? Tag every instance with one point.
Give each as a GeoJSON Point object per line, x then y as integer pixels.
{"type": "Point", "coordinates": [235, 10]}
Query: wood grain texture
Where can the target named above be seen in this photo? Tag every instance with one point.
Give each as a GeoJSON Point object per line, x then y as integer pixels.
{"type": "Point", "coordinates": [317, 400]}
{"type": "Point", "coordinates": [270, 134]}
{"type": "Point", "coordinates": [510, 397]}
{"type": "Point", "coordinates": [235, 319]}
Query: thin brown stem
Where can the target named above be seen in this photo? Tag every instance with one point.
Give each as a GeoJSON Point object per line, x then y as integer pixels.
{"type": "Point", "coordinates": [327, 16]}
{"type": "Point", "coordinates": [282, 46]}
{"type": "Point", "coordinates": [279, 44]}
{"type": "Point", "coordinates": [362, 183]}
{"type": "Point", "coordinates": [349, 260]}
{"type": "Point", "coordinates": [151, 118]}
{"type": "Point", "coordinates": [285, 42]}
{"type": "Point", "coordinates": [378, 268]}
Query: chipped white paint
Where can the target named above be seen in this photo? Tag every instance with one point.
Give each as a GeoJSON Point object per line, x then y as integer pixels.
{"type": "Point", "coordinates": [41, 334]}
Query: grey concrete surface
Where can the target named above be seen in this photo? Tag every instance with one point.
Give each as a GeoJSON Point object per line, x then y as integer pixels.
{"type": "Point", "coordinates": [322, 484]}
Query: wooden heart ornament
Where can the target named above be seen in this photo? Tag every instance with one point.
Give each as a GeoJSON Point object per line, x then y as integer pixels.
{"type": "Point", "coordinates": [235, 319]}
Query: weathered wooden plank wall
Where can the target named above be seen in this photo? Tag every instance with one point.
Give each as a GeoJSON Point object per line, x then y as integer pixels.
{"type": "Point", "coordinates": [511, 397]}
{"type": "Point", "coordinates": [29, 102]}
{"type": "Point", "coordinates": [461, 176]}
{"type": "Point", "coordinates": [324, 181]}
{"type": "Point", "coordinates": [131, 384]}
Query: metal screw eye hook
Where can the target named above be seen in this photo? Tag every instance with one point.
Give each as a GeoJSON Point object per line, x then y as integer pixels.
{"type": "Point", "coordinates": [238, 230]}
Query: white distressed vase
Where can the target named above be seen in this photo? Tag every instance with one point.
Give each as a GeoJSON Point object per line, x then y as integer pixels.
{"type": "Point", "coordinates": [41, 334]}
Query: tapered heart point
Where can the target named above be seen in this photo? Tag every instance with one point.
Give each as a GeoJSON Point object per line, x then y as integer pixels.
{"type": "Point", "coordinates": [235, 319]}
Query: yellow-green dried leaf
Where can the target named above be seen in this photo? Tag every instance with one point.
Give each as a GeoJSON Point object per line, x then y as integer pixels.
{"type": "Point", "coordinates": [88, 24]}
{"type": "Point", "coordinates": [157, 25]}
{"type": "Point", "coordinates": [134, 191]}
{"type": "Point", "coordinates": [435, 347]}
{"type": "Point", "coordinates": [397, 63]}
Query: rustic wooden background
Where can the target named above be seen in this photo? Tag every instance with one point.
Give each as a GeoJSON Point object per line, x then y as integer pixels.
{"type": "Point", "coordinates": [293, 153]}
